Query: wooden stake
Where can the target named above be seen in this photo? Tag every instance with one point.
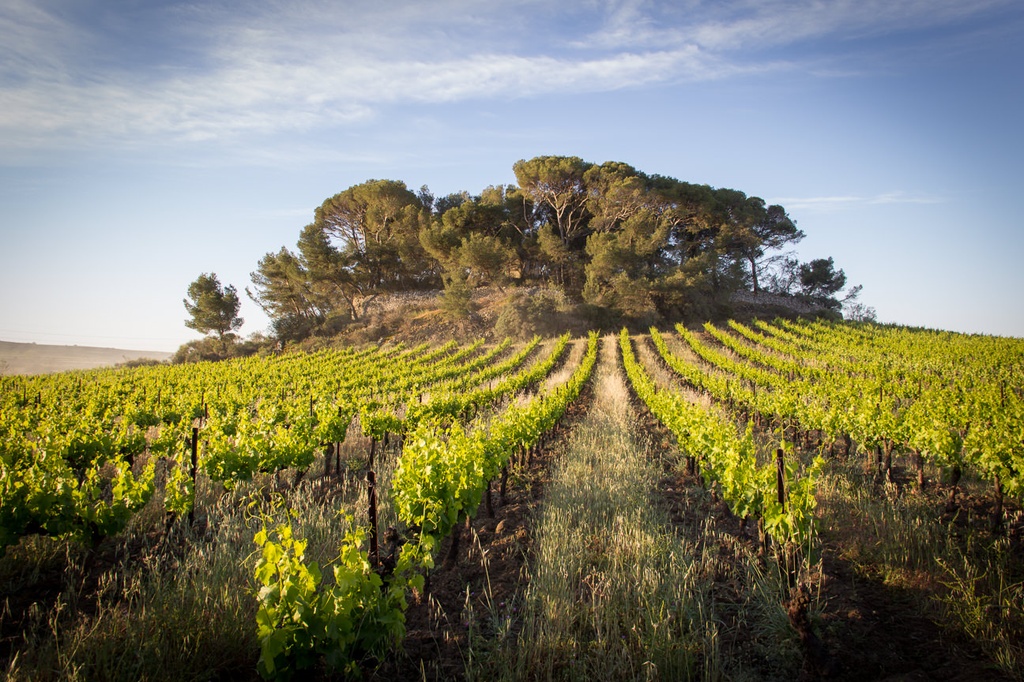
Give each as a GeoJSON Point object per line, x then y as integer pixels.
{"type": "Point", "coordinates": [195, 471]}
{"type": "Point", "coordinates": [780, 477]}
{"type": "Point", "coordinates": [371, 496]}
{"type": "Point", "coordinates": [997, 512]}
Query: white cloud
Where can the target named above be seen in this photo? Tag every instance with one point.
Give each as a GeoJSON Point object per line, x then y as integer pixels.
{"type": "Point", "coordinates": [900, 197]}
{"type": "Point", "coordinates": [262, 95]}
{"type": "Point", "coordinates": [829, 204]}
{"type": "Point", "coordinates": [743, 24]}
{"type": "Point", "coordinates": [281, 67]}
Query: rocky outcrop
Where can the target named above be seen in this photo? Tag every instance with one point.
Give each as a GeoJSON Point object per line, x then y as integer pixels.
{"type": "Point", "coordinates": [800, 306]}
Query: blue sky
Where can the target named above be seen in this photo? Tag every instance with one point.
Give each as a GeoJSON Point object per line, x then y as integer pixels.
{"type": "Point", "coordinates": [143, 143]}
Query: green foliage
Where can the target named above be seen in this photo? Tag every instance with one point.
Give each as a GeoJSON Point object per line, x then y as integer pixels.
{"type": "Point", "coordinates": [487, 259]}
{"type": "Point", "coordinates": [209, 348]}
{"type": "Point", "coordinates": [377, 225]}
{"type": "Point", "coordinates": [725, 457]}
{"type": "Point", "coordinates": [283, 285]}
{"type": "Point", "coordinates": [444, 468]}
{"type": "Point", "coordinates": [45, 495]}
{"type": "Point", "coordinates": [457, 299]}
{"type": "Point", "coordinates": [302, 621]}
{"type": "Point", "coordinates": [212, 307]}
{"type": "Point", "coordinates": [179, 489]}
{"type": "Point", "coordinates": [635, 247]}
{"type": "Point", "coordinates": [557, 183]}
{"type": "Point", "coordinates": [821, 281]}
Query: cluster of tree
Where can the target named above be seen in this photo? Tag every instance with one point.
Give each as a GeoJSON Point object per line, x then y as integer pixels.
{"type": "Point", "coordinates": [627, 244]}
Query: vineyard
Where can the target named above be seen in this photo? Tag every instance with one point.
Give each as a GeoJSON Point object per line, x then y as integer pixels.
{"type": "Point", "coordinates": [766, 501]}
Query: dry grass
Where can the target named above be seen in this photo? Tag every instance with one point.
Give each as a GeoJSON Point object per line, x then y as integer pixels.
{"type": "Point", "coordinates": [619, 589]}
{"type": "Point", "coordinates": [156, 604]}
{"type": "Point", "coordinates": [970, 581]}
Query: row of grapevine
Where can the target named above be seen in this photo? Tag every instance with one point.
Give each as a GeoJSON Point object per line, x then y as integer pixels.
{"type": "Point", "coordinates": [951, 399]}
{"type": "Point", "coordinates": [72, 442]}
{"type": "Point", "coordinates": [461, 393]}
{"type": "Point", "coordinates": [750, 485]}
{"type": "Point", "coordinates": [441, 478]}
{"type": "Point", "coordinates": [455, 403]}
{"type": "Point", "coordinates": [72, 461]}
{"type": "Point", "coordinates": [257, 435]}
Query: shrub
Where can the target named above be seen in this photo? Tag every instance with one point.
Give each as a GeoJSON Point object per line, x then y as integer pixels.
{"type": "Point", "coordinates": [527, 312]}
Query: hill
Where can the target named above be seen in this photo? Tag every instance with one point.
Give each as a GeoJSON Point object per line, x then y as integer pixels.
{"type": "Point", "coordinates": [33, 358]}
{"type": "Point", "coordinates": [518, 312]}
{"type": "Point", "coordinates": [604, 245]}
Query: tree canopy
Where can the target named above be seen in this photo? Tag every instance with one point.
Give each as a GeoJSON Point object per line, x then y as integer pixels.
{"type": "Point", "coordinates": [625, 243]}
{"type": "Point", "coordinates": [212, 307]}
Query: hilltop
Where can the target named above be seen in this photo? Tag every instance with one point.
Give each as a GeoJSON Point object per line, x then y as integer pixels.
{"type": "Point", "coordinates": [573, 245]}
{"type": "Point", "coordinates": [517, 312]}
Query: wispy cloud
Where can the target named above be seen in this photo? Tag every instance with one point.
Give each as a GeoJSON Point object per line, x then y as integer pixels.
{"type": "Point", "coordinates": [829, 204]}
{"type": "Point", "coordinates": [735, 25]}
{"type": "Point", "coordinates": [208, 72]}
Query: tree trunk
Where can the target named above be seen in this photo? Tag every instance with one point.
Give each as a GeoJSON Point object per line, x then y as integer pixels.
{"type": "Point", "coordinates": [328, 457]}
{"type": "Point", "coordinates": [195, 471]}
{"type": "Point", "coordinates": [869, 461]}
{"type": "Point", "coordinates": [818, 662]}
{"type": "Point", "coordinates": [780, 477]}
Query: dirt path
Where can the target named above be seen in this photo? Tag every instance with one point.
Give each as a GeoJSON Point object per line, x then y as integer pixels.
{"type": "Point", "coordinates": [613, 590]}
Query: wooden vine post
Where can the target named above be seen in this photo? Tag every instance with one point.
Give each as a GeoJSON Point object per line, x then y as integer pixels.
{"type": "Point", "coordinates": [371, 497]}
{"type": "Point", "coordinates": [195, 471]}
{"type": "Point", "coordinates": [337, 451]}
{"type": "Point", "coordinates": [780, 477]}
{"type": "Point", "coordinates": [997, 512]}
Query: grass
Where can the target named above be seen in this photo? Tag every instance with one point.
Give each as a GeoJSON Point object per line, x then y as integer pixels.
{"type": "Point", "coordinates": [966, 578]}
{"type": "Point", "coordinates": [616, 589]}
{"type": "Point", "coordinates": [146, 605]}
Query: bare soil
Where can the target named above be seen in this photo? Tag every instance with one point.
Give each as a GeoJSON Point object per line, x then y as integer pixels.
{"type": "Point", "coordinates": [487, 577]}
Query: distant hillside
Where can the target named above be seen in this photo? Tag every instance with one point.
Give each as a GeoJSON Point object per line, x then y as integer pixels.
{"type": "Point", "coordinates": [33, 358]}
